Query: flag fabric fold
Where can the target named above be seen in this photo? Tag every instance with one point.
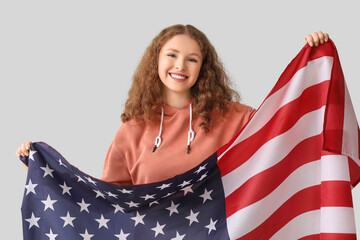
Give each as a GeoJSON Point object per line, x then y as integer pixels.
{"type": "Point", "coordinates": [288, 174]}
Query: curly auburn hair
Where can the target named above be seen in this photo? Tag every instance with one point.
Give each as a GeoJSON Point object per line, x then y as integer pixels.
{"type": "Point", "coordinates": [212, 90]}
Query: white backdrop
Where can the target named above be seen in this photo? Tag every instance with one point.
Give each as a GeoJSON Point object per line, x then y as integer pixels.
{"type": "Point", "coordinates": [66, 67]}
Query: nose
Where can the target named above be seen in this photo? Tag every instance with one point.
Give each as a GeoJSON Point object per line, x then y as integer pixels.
{"type": "Point", "coordinates": [180, 64]}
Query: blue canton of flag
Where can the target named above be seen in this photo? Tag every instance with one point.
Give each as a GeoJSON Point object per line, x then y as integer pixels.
{"type": "Point", "coordinates": [61, 202]}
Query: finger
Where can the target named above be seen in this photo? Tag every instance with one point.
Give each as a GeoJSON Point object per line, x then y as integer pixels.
{"type": "Point", "coordinates": [24, 152]}
{"type": "Point", "coordinates": [309, 39]}
{"type": "Point", "coordinates": [326, 37]}
{"type": "Point", "coordinates": [22, 149]}
{"type": "Point", "coordinates": [27, 145]}
{"type": "Point", "coordinates": [316, 38]}
{"type": "Point", "coordinates": [321, 36]}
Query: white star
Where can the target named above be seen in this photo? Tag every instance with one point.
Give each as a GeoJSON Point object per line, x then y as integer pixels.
{"type": "Point", "coordinates": [178, 236]}
{"type": "Point", "coordinates": [187, 189]}
{"type": "Point", "coordinates": [83, 205]}
{"type": "Point", "coordinates": [99, 194]}
{"type": "Point", "coordinates": [86, 235]}
{"type": "Point", "coordinates": [66, 189]}
{"type": "Point", "coordinates": [47, 171]}
{"type": "Point", "coordinates": [164, 186]}
{"type": "Point", "coordinates": [192, 217]}
{"type": "Point", "coordinates": [31, 155]}
{"type": "Point", "coordinates": [60, 163]}
{"type": "Point", "coordinates": [132, 204]}
{"type": "Point", "coordinates": [51, 235]}
{"type": "Point", "coordinates": [68, 220]}
{"type": "Point", "coordinates": [154, 202]}
{"type": "Point", "coordinates": [90, 180]}
{"type": "Point", "coordinates": [102, 222]}
{"type": "Point", "coordinates": [110, 194]}
{"type": "Point", "coordinates": [33, 221]}
{"type": "Point", "coordinates": [168, 194]}
{"type": "Point", "coordinates": [158, 229]}
{"type": "Point", "coordinates": [203, 176]}
{"type": "Point", "coordinates": [122, 235]}
{"type": "Point", "coordinates": [147, 196]}
{"type": "Point", "coordinates": [125, 191]}
{"type": "Point", "coordinates": [30, 187]}
{"type": "Point", "coordinates": [117, 208]}
{"type": "Point", "coordinates": [211, 226]}
{"type": "Point", "coordinates": [201, 168]}
{"type": "Point", "coordinates": [173, 208]}
{"type": "Point", "coordinates": [206, 195]}
{"type": "Point", "coordinates": [138, 218]}
{"type": "Point", "coordinates": [80, 179]}
{"type": "Point", "coordinates": [184, 183]}
{"type": "Point", "coordinates": [49, 203]}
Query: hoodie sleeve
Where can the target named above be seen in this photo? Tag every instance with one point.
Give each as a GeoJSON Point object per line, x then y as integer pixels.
{"type": "Point", "coordinates": [115, 170]}
{"type": "Point", "coordinates": [244, 112]}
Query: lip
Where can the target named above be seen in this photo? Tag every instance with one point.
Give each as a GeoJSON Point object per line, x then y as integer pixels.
{"type": "Point", "coordinates": [176, 79]}
{"type": "Point", "coordinates": [183, 75]}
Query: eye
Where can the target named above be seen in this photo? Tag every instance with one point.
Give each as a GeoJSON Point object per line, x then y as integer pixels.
{"type": "Point", "coordinates": [171, 55]}
{"type": "Point", "coordinates": [192, 60]}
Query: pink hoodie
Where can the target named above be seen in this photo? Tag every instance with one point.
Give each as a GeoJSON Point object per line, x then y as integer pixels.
{"type": "Point", "coordinates": [131, 160]}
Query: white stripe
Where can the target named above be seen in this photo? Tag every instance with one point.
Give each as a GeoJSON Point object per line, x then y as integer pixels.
{"type": "Point", "coordinates": [303, 225]}
{"type": "Point", "coordinates": [337, 220]}
{"type": "Point", "coordinates": [265, 157]}
{"type": "Point", "coordinates": [310, 174]}
{"type": "Point", "coordinates": [350, 130]}
{"type": "Point", "coordinates": [326, 220]}
{"type": "Point", "coordinates": [317, 71]}
{"type": "Point", "coordinates": [335, 167]}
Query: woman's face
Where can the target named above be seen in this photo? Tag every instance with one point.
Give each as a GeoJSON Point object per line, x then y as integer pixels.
{"type": "Point", "coordinates": [180, 60]}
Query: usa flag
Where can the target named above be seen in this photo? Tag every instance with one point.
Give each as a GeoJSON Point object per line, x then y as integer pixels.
{"type": "Point", "coordinates": [288, 174]}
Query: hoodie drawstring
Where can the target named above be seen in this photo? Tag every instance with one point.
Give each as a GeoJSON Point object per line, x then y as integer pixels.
{"type": "Point", "coordinates": [158, 138]}
{"type": "Point", "coordinates": [191, 133]}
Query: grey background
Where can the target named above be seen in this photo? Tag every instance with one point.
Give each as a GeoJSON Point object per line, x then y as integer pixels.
{"type": "Point", "coordinates": [66, 67]}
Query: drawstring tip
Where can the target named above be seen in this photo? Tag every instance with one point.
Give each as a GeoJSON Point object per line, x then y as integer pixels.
{"type": "Point", "coordinates": [188, 149]}
{"type": "Point", "coordinates": [154, 148]}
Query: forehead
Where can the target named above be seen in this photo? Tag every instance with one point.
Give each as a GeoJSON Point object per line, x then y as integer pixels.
{"type": "Point", "coordinates": [183, 44]}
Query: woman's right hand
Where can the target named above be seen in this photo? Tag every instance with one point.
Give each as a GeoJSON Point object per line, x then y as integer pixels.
{"type": "Point", "coordinates": [23, 149]}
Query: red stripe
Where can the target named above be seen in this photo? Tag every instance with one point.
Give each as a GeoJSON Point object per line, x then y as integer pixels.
{"type": "Point", "coordinates": [282, 121]}
{"type": "Point", "coordinates": [303, 201]}
{"type": "Point", "coordinates": [336, 194]}
{"type": "Point", "coordinates": [334, 115]}
{"type": "Point", "coordinates": [301, 60]}
{"type": "Point", "coordinates": [265, 182]}
{"type": "Point", "coordinates": [331, 236]}
{"type": "Point", "coordinates": [354, 170]}
{"type": "Point", "coordinates": [309, 199]}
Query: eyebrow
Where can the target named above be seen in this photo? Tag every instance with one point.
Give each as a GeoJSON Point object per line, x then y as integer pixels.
{"type": "Point", "coordinates": [172, 49]}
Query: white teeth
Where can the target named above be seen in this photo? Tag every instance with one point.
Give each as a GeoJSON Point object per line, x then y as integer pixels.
{"type": "Point", "coordinates": [177, 76]}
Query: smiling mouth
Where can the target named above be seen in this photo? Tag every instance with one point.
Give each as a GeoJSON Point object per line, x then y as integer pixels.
{"type": "Point", "coordinates": [179, 77]}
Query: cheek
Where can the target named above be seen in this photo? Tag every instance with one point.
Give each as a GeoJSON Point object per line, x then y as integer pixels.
{"type": "Point", "coordinates": [196, 71]}
{"type": "Point", "coordinates": [163, 66]}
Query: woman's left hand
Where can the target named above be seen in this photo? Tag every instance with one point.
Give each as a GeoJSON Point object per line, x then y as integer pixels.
{"type": "Point", "coordinates": [316, 38]}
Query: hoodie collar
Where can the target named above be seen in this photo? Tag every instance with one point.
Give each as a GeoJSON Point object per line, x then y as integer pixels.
{"type": "Point", "coordinates": [169, 111]}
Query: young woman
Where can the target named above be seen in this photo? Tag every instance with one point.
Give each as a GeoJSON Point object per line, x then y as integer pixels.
{"type": "Point", "coordinates": [181, 109]}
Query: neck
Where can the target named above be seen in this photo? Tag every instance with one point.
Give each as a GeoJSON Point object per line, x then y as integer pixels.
{"type": "Point", "coordinates": [176, 100]}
